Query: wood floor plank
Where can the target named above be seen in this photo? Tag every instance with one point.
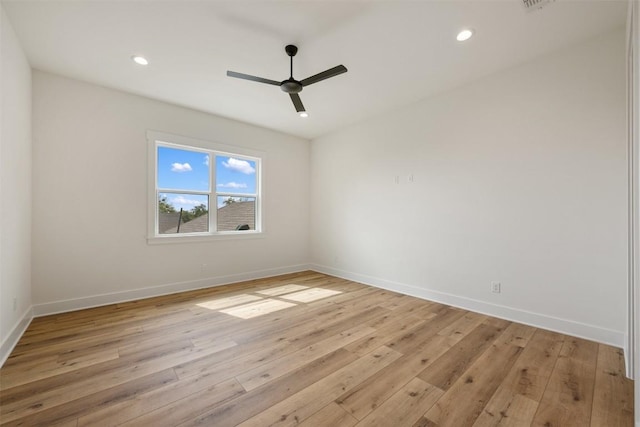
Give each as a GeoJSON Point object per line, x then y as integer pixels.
{"type": "Point", "coordinates": [423, 422]}
{"type": "Point", "coordinates": [405, 407]}
{"type": "Point", "coordinates": [281, 290]}
{"type": "Point", "coordinates": [507, 409]}
{"type": "Point", "coordinates": [269, 341]}
{"type": "Point", "coordinates": [396, 328]}
{"type": "Point", "coordinates": [323, 326]}
{"type": "Point", "coordinates": [612, 400]}
{"type": "Point", "coordinates": [257, 308]}
{"type": "Point", "coordinates": [445, 371]}
{"type": "Point", "coordinates": [184, 409]}
{"type": "Point", "coordinates": [517, 334]}
{"type": "Point", "coordinates": [118, 413]}
{"type": "Point", "coordinates": [61, 391]}
{"type": "Point", "coordinates": [531, 372]}
{"type": "Point", "coordinates": [117, 335]}
{"type": "Point", "coordinates": [397, 302]}
{"type": "Point", "coordinates": [243, 358]}
{"type": "Point", "coordinates": [516, 400]}
{"type": "Point", "coordinates": [463, 325]}
{"type": "Point", "coordinates": [413, 307]}
{"type": "Point", "coordinates": [70, 423]}
{"type": "Point", "coordinates": [57, 346]}
{"type": "Point", "coordinates": [68, 379]}
{"type": "Point", "coordinates": [52, 366]}
{"type": "Point", "coordinates": [220, 303]}
{"type": "Point", "coordinates": [305, 403]}
{"type": "Point", "coordinates": [569, 394]}
{"type": "Point", "coordinates": [475, 387]}
{"type": "Point", "coordinates": [73, 409]}
{"type": "Point", "coordinates": [498, 323]}
{"type": "Point", "coordinates": [416, 336]}
{"type": "Point", "coordinates": [361, 400]}
{"type": "Point", "coordinates": [232, 363]}
{"type": "Point", "coordinates": [252, 403]}
{"type": "Point", "coordinates": [310, 295]}
{"type": "Point", "coordinates": [266, 372]}
{"type": "Point", "coordinates": [309, 323]}
{"type": "Point", "coordinates": [331, 415]}
{"type": "Point", "coordinates": [370, 394]}
{"type": "Point", "coordinates": [341, 353]}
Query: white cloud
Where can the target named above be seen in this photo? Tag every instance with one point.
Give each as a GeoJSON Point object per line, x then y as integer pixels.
{"type": "Point", "coordinates": [181, 167]}
{"type": "Point", "coordinates": [181, 200]}
{"type": "Point", "coordinates": [233, 185]}
{"type": "Point", "coordinates": [206, 160]}
{"type": "Point", "coordinates": [239, 166]}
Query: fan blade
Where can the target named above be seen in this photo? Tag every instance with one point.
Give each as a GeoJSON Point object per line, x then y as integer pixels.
{"type": "Point", "coordinates": [324, 75]}
{"type": "Point", "coordinates": [297, 102]}
{"type": "Point", "coordinates": [252, 78]}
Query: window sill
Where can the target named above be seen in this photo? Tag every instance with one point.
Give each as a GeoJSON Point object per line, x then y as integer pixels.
{"type": "Point", "coordinates": [202, 238]}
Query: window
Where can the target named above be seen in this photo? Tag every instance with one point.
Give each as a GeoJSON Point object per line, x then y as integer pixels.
{"type": "Point", "coordinates": [202, 189]}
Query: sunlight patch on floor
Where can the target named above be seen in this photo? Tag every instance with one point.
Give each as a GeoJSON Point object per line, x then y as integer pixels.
{"type": "Point", "coordinates": [310, 295]}
{"type": "Point", "coordinates": [255, 309]}
{"type": "Point", "coordinates": [281, 290]}
{"type": "Point", "coordinates": [217, 304]}
{"type": "Point", "coordinates": [248, 305]}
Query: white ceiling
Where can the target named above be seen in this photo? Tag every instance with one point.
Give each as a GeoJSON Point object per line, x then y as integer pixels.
{"type": "Point", "coordinates": [397, 52]}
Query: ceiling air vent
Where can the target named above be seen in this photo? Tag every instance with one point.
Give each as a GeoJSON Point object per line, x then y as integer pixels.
{"type": "Point", "coordinates": [531, 5]}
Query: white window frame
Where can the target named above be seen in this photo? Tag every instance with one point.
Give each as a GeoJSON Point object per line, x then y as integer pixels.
{"type": "Point", "coordinates": [213, 149]}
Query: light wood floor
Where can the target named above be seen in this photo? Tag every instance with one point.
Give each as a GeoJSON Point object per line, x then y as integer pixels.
{"type": "Point", "coordinates": [305, 349]}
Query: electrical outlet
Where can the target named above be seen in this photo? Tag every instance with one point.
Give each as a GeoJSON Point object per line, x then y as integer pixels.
{"type": "Point", "coordinates": [495, 287]}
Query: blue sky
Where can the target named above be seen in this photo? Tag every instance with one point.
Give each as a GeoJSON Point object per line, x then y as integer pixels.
{"type": "Point", "coordinates": [189, 170]}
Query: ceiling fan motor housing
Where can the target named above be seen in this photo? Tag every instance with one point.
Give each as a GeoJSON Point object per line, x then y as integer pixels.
{"type": "Point", "coordinates": [291, 86]}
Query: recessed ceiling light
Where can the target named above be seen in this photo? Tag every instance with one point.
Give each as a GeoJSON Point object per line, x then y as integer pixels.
{"type": "Point", "coordinates": [304, 114]}
{"type": "Point", "coordinates": [140, 60]}
{"type": "Point", "coordinates": [464, 35]}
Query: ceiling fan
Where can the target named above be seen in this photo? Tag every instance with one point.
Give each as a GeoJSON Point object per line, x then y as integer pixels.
{"type": "Point", "coordinates": [291, 85]}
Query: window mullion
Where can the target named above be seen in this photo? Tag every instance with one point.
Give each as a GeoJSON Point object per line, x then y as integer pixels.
{"type": "Point", "coordinates": [174, 191]}
{"type": "Point", "coordinates": [223, 194]}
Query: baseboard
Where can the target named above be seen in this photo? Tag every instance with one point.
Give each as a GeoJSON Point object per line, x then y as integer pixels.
{"type": "Point", "coordinates": [12, 339]}
{"type": "Point", "coordinates": [569, 327]}
{"type": "Point", "coordinates": [564, 326]}
{"type": "Point", "coordinates": [627, 358]}
{"type": "Point", "coordinates": [166, 289]}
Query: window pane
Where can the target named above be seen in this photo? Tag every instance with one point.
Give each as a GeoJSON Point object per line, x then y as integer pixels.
{"type": "Point", "coordinates": [236, 213]}
{"type": "Point", "coordinates": [235, 175]}
{"type": "Point", "coordinates": [182, 169]}
{"type": "Point", "coordinates": [194, 217]}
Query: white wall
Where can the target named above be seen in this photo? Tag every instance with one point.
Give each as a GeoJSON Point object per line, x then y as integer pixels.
{"type": "Point", "coordinates": [15, 189]}
{"type": "Point", "coordinates": [90, 199]}
{"type": "Point", "coordinates": [519, 177]}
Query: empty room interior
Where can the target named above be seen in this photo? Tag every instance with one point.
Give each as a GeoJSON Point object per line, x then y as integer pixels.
{"type": "Point", "coordinates": [319, 213]}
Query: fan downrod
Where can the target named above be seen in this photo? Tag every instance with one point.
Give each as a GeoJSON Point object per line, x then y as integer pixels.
{"type": "Point", "coordinates": [291, 85]}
